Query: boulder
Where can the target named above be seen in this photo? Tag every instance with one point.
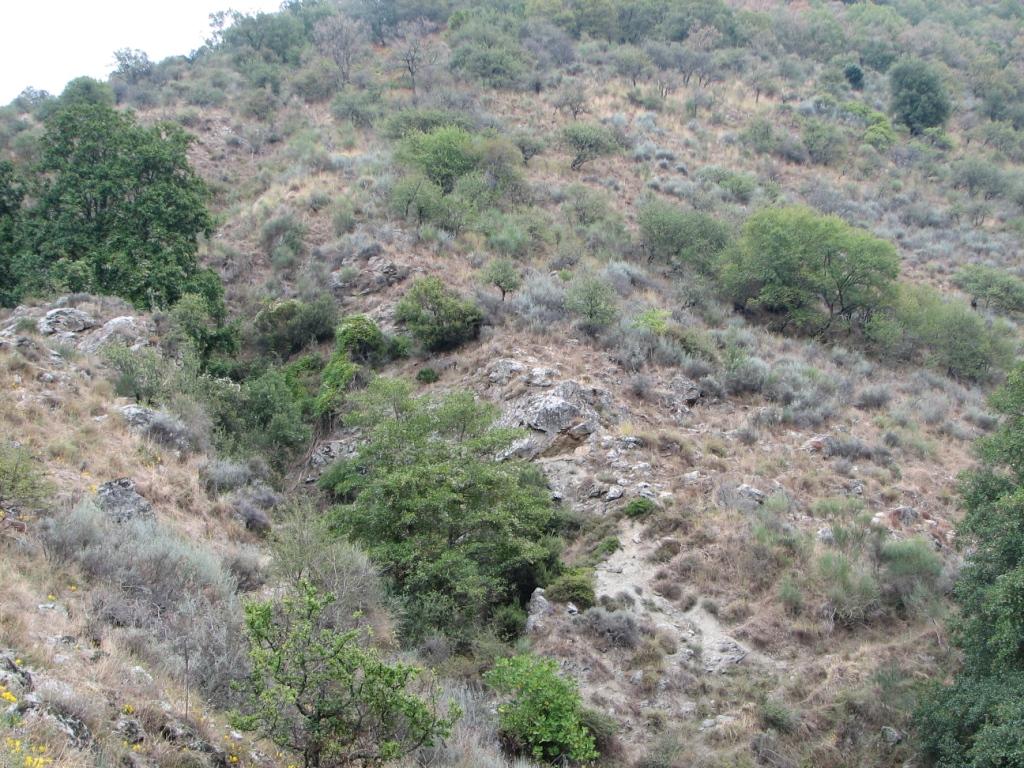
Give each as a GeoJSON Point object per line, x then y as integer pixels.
{"type": "Point", "coordinates": [158, 426]}
{"type": "Point", "coordinates": [541, 377]}
{"type": "Point", "coordinates": [537, 609]}
{"type": "Point", "coordinates": [903, 515]}
{"type": "Point", "coordinates": [685, 390]}
{"type": "Point", "coordinates": [65, 320]}
{"type": "Point", "coordinates": [503, 370]}
{"type": "Point", "coordinates": [130, 730]}
{"type": "Point", "coordinates": [130, 331]}
{"type": "Point", "coordinates": [119, 499]}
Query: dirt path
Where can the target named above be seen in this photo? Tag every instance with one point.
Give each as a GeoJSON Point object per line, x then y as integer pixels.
{"type": "Point", "coordinates": [696, 630]}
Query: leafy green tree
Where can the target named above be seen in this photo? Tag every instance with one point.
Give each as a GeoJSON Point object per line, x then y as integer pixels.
{"type": "Point", "coordinates": [631, 63]}
{"type": "Point", "coordinates": [587, 141]}
{"type": "Point", "coordinates": [809, 270]}
{"type": "Point", "coordinates": [594, 300]}
{"type": "Point", "coordinates": [923, 324]}
{"type": "Point", "coordinates": [992, 288]}
{"type": "Point", "coordinates": [919, 98]}
{"type": "Point", "coordinates": [442, 155]}
{"type": "Point", "coordinates": [327, 696]}
{"type": "Point", "coordinates": [85, 90]}
{"type": "Point", "coordinates": [542, 718]}
{"type": "Point", "coordinates": [456, 532]}
{"type": "Point", "coordinates": [436, 316]}
{"type": "Point", "coordinates": [686, 238]}
{"type": "Point", "coordinates": [118, 210]}
{"type": "Point", "coordinates": [976, 721]}
{"type": "Point", "coordinates": [503, 275]}
{"type": "Point", "coordinates": [12, 275]}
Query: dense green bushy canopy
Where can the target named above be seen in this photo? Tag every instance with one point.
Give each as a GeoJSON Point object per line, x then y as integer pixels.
{"type": "Point", "coordinates": [116, 209]}
{"type": "Point", "coordinates": [457, 532]}
{"type": "Point", "coordinates": [978, 721]}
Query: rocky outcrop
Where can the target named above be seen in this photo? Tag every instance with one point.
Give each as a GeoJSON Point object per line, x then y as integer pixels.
{"type": "Point", "coordinates": [119, 499]}
{"type": "Point", "coordinates": [158, 426]}
{"type": "Point", "coordinates": [131, 331]}
{"type": "Point", "coordinates": [559, 418]}
{"type": "Point", "coordinates": [64, 320]}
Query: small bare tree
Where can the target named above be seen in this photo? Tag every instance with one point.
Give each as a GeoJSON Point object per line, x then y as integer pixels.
{"type": "Point", "coordinates": [344, 41]}
{"type": "Point", "coordinates": [415, 53]}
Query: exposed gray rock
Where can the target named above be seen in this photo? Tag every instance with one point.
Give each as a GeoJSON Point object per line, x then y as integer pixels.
{"type": "Point", "coordinates": [12, 672]}
{"type": "Point", "coordinates": [560, 418]}
{"type": "Point", "coordinates": [130, 729]}
{"type": "Point", "coordinates": [119, 499]}
{"type": "Point", "coordinates": [65, 320]}
{"type": "Point", "coordinates": [541, 377]}
{"type": "Point", "coordinates": [744, 497]}
{"type": "Point", "coordinates": [503, 370]}
{"type": "Point", "coordinates": [131, 331]}
{"type": "Point", "coordinates": [537, 610]}
{"type": "Point", "coordinates": [725, 654]}
{"type": "Point", "coordinates": [158, 426]}
{"type": "Point", "coordinates": [904, 515]}
{"type": "Point", "coordinates": [686, 391]}
{"type": "Point", "coordinates": [614, 492]}
{"type": "Point", "coordinates": [891, 736]}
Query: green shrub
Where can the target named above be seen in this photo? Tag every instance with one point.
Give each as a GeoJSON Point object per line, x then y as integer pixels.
{"type": "Point", "coordinates": [594, 300]}
{"type": "Point", "coordinates": [777, 716]}
{"type": "Point", "coordinates": [283, 231]}
{"type": "Point", "coordinates": [543, 717]}
{"type": "Point", "coordinates": [21, 481]}
{"type": "Point", "coordinates": [360, 338]}
{"type": "Point", "coordinates": [319, 691]}
{"type": "Point", "coordinates": [142, 375]}
{"type": "Point", "coordinates": [335, 379]}
{"type": "Point", "coordinates": [485, 48]}
{"type": "Point", "coordinates": [975, 721]}
{"type": "Point", "coordinates": [507, 621]}
{"type": "Point", "coordinates": [824, 142]}
{"type": "Point", "coordinates": [576, 586]}
{"type": "Point", "coordinates": [641, 506]}
{"type": "Point", "coordinates": [588, 141]}
{"type": "Point", "coordinates": [852, 592]}
{"type": "Point", "coordinates": [912, 569]}
{"type": "Point", "coordinates": [287, 326]}
{"type": "Point", "coordinates": [688, 238]}
{"type": "Point", "coordinates": [418, 199]}
{"type": "Point", "coordinates": [436, 316]}
{"type": "Point", "coordinates": [361, 108]}
{"type": "Point", "coordinates": [427, 375]}
{"type": "Point", "coordinates": [810, 271]}
{"type": "Point", "coordinates": [412, 121]}
{"type": "Point", "coordinates": [442, 156]}
{"type": "Point", "coordinates": [947, 335]}
{"type": "Point", "coordinates": [992, 288]}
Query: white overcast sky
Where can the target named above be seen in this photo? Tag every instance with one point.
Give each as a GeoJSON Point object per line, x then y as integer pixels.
{"type": "Point", "coordinates": [46, 43]}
